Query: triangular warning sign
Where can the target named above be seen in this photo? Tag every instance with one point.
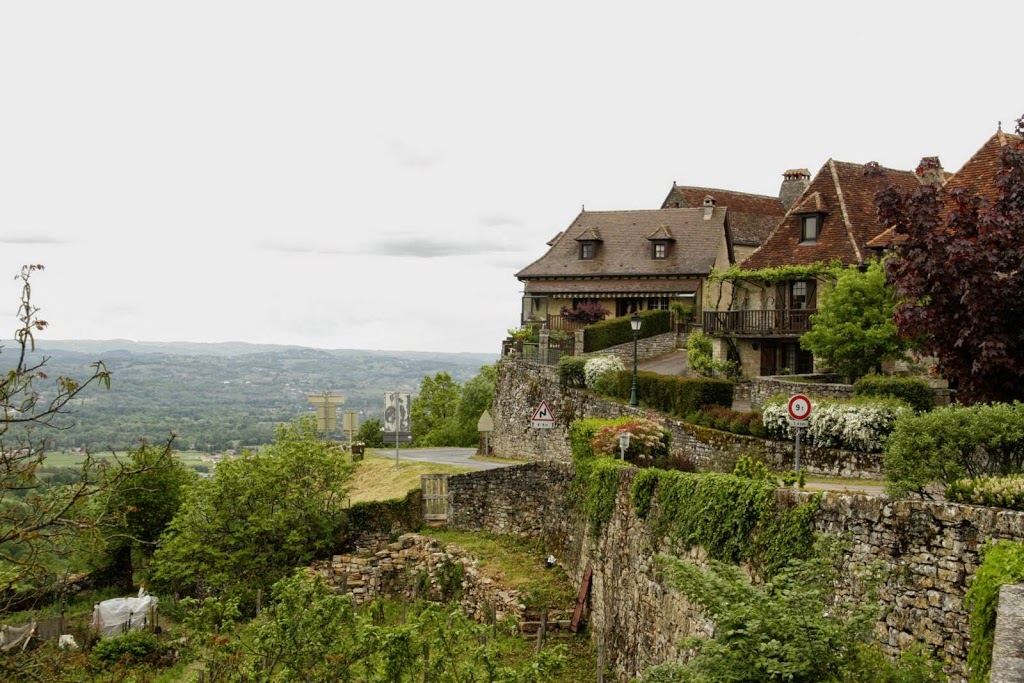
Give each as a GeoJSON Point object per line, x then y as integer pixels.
{"type": "Point", "coordinates": [543, 414]}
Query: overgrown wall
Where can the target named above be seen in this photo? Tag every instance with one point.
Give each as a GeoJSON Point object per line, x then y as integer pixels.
{"type": "Point", "coordinates": [926, 554]}
{"type": "Point", "coordinates": [521, 386]}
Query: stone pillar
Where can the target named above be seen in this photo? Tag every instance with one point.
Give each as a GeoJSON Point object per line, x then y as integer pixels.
{"type": "Point", "coordinates": [577, 345]}
{"type": "Point", "coordinates": [542, 346]}
{"type": "Point", "coordinates": [1008, 643]}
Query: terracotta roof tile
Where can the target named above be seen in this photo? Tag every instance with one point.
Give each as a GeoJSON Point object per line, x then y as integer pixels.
{"type": "Point", "coordinates": [811, 203]}
{"type": "Point", "coordinates": [625, 249]}
{"type": "Point", "coordinates": [751, 216]}
{"type": "Point", "coordinates": [851, 222]}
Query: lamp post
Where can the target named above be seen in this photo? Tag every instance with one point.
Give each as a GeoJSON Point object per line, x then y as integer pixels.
{"type": "Point", "coordinates": [635, 322]}
{"type": "Point", "coordinates": [624, 443]}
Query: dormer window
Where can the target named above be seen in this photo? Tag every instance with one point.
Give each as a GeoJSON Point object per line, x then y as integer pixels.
{"type": "Point", "coordinates": [810, 225]}
{"type": "Point", "coordinates": [588, 240]}
{"type": "Point", "coordinates": [660, 250]}
{"type": "Point", "coordinates": [586, 250]}
{"type": "Point", "coordinates": [660, 239]}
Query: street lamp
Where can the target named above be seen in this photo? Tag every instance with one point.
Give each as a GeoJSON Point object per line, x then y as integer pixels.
{"type": "Point", "coordinates": [635, 322]}
{"type": "Point", "coordinates": [624, 443]}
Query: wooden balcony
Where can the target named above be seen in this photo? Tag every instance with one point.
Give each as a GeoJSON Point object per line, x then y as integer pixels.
{"type": "Point", "coordinates": [763, 323]}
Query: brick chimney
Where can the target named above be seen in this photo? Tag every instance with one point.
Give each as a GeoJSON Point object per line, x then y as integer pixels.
{"type": "Point", "coordinates": [794, 182]}
{"type": "Point", "coordinates": [930, 172]}
{"type": "Point", "coordinates": [709, 206]}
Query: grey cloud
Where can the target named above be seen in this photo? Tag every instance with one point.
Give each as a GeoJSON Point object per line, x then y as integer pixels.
{"type": "Point", "coordinates": [497, 220]}
{"type": "Point", "coordinates": [428, 247]}
{"type": "Point", "coordinates": [406, 155]}
{"type": "Point", "coordinates": [287, 248]}
{"type": "Point", "coordinates": [29, 239]}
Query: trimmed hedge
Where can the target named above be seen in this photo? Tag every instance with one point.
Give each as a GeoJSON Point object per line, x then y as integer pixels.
{"type": "Point", "coordinates": [1002, 563]}
{"type": "Point", "coordinates": [672, 395]}
{"type": "Point", "coordinates": [914, 392]}
{"type": "Point", "coordinates": [617, 331]}
{"type": "Point", "coordinates": [952, 443]}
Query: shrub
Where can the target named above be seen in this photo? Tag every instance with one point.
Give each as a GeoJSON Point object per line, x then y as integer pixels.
{"type": "Point", "coordinates": [1002, 563]}
{"type": "Point", "coordinates": [1004, 492]}
{"type": "Point", "coordinates": [131, 647]}
{"type": "Point", "coordinates": [618, 331]}
{"type": "Point", "coordinates": [700, 356]}
{"type": "Point", "coordinates": [728, 420]}
{"type": "Point", "coordinates": [914, 392]}
{"type": "Point", "coordinates": [952, 443]}
{"type": "Point", "coordinates": [859, 425]}
{"type": "Point", "coordinates": [648, 441]}
{"type": "Point", "coordinates": [581, 433]}
{"type": "Point", "coordinates": [570, 371]}
{"type": "Point", "coordinates": [586, 312]}
{"type": "Point", "coordinates": [598, 366]}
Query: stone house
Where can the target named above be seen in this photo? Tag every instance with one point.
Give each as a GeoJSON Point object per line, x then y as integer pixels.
{"type": "Point", "coordinates": [760, 320]}
{"type": "Point", "coordinates": [627, 261]}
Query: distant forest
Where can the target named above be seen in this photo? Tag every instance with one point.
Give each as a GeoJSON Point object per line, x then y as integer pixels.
{"type": "Point", "coordinates": [220, 396]}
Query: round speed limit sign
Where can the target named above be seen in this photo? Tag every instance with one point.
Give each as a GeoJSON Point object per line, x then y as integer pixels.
{"type": "Point", "coordinates": [799, 407]}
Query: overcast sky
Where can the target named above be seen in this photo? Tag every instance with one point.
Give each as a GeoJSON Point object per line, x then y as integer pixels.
{"type": "Point", "coordinates": [371, 175]}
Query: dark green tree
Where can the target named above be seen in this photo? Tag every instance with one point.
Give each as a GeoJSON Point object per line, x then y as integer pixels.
{"type": "Point", "coordinates": [139, 509]}
{"type": "Point", "coordinates": [854, 330]}
{"type": "Point", "coordinates": [370, 433]}
{"type": "Point", "coordinates": [477, 396]}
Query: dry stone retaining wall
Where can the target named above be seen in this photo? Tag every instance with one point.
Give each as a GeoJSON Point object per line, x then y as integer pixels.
{"type": "Point", "coordinates": [395, 570]}
{"type": "Point", "coordinates": [926, 554]}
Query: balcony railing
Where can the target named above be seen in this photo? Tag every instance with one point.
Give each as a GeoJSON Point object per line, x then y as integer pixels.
{"type": "Point", "coordinates": [768, 322]}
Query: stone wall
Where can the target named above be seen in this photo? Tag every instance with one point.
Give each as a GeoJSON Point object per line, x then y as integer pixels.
{"type": "Point", "coordinates": [763, 388]}
{"type": "Point", "coordinates": [521, 386]}
{"type": "Point", "coordinates": [651, 347]}
{"type": "Point", "coordinates": [1008, 645]}
{"type": "Point", "coordinates": [926, 554]}
{"type": "Point", "coordinates": [405, 568]}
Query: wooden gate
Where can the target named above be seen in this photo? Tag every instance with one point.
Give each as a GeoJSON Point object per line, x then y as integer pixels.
{"type": "Point", "coordinates": [435, 497]}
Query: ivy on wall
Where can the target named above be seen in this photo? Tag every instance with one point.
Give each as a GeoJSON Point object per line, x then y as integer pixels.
{"type": "Point", "coordinates": [770, 276]}
{"type": "Point", "coordinates": [734, 519]}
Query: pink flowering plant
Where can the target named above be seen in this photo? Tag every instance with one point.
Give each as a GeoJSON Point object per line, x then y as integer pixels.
{"type": "Point", "coordinates": [648, 442]}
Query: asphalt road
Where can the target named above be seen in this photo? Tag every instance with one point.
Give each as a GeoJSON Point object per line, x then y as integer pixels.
{"type": "Point", "coordinates": [445, 456]}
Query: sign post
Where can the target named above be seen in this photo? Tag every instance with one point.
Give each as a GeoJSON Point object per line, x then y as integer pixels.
{"type": "Point", "coordinates": [799, 407]}
{"type": "Point", "coordinates": [485, 425]}
{"type": "Point", "coordinates": [542, 419]}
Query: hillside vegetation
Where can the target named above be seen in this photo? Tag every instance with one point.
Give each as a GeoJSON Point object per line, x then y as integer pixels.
{"type": "Point", "coordinates": [219, 396]}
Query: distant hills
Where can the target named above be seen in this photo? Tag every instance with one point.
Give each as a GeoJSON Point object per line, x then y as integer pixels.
{"type": "Point", "coordinates": [216, 396]}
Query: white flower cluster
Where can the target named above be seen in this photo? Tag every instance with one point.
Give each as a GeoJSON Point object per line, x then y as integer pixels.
{"type": "Point", "coordinates": [860, 427]}
{"type": "Point", "coordinates": [599, 365]}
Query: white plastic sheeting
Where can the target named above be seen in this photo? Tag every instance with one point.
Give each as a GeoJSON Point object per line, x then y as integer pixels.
{"type": "Point", "coordinates": [118, 615]}
{"type": "Point", "coordinates": [15, 636]}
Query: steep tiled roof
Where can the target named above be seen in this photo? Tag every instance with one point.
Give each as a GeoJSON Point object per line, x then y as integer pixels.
{"type": "Point", "coordinates": [751, 216]}
{"type": "Point", "coordinates": [849, 198]}
{"type": "Point", "coordinates": [626, 250]}
{"type": "Point", "coordinates": [977, 176]}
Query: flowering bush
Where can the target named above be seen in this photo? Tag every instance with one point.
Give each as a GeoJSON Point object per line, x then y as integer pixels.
{"type": "Point", "coordinates": [598, 366]}
{"type": "Point", "coordinates": [586, 312]}
{"type": "Point", "coordinates": [647, 442]}
{"type": "Point", "coordinates": [860, 425]}
{"type": "Point", "coordinates": [1004, 492]}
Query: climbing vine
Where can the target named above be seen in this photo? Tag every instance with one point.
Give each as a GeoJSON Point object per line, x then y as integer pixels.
{"type": "Point", "coordinates": [735, 519]}
{"type": "Point", "coordinates": [769, 276]}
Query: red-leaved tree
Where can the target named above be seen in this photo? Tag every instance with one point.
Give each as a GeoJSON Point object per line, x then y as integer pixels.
{"type": "Point", "coordinates": [959, 274]}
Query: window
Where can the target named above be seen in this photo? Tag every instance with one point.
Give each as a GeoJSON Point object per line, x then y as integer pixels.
{"type": "Point", "coordinates": [796, 361]}
{"type": "Point", "coordinates": [660, 250]}
{"type": "Point", "coordinates": [657, 303]}
{"type": "Point", "coordinates": [809, 226]}
{"type": "Point", "coordinates": [798, 295]}
{"type": "Point", "coordinates": [586, 250]}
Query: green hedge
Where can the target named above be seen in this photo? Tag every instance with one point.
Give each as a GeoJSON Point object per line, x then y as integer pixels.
{"type": "Point", "coordinates": [570, 371]}
{"type": "Point", "coordinates": [678, 396]}
{"type": "Point", "coordinates": [952, 443]}
{"type": "Point", "coordinates": [916, 393]}
{"type": "Point", "coordinates": [617, 331]}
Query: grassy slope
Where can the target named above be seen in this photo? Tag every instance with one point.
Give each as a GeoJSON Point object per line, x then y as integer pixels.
{"type": "Point", "coordinates": [377, 479]}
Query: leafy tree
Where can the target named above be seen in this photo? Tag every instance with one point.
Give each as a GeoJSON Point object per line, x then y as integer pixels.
{"type": "Point", "coordinates": [476, 397]}
{"type": "Point", "coordinates": [260, 516]}
{"type": "Point", "coordinates": [140, 508]}
{"type": "Point", "coordinates": [433, 411]}
{"type": "Point", "coordinates": [40, 520]}
{"type": "Point", "coordinates": [854, 330]}
{"type": "Point", "coordinates": [370, 433]}
{"type": "Point", "coordinates": [959, 275]}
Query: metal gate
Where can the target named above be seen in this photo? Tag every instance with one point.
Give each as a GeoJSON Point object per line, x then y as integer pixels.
{"type": "Point", "coordinates": [435, 497]}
